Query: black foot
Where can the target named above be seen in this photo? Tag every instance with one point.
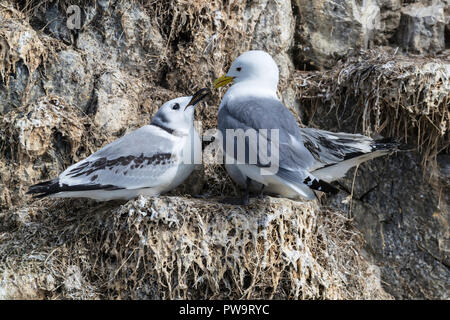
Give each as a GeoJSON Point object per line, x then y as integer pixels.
{"type": "Point", "coordinates": [242, 201]}
{"type": "Point", "coordinates": [261, 193]}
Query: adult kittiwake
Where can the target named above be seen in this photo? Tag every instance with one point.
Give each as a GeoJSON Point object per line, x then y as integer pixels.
{"type": "Point", "coordinates": [308, 159]}
{"type": "Point", "coordinates": [148, 161]}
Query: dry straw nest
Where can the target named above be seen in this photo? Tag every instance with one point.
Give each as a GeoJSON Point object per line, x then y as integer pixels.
{"type": "Point", "coordinates": [175, 247]}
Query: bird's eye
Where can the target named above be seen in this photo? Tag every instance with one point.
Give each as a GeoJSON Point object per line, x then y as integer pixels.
{"type": "Point", "coordinates": [238, 68]}
{"type": "Point", "coordinates": [176, 106]}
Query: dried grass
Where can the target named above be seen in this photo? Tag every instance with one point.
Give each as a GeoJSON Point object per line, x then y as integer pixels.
{"type": "Point", "coordinates": [174, 247]}
{"type": "Point", "coordinates": [403, 97]}
{"type": "Point", "coordinates": [17, 43]}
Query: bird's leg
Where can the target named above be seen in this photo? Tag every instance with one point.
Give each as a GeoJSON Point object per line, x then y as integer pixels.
{"type": "Point", "coordinates": [261, 194]}
{"type": "Point", "coordinates": [247, 191]}
{"type": "Point", "coordinates": [240, 201]}
{"type": "Point", "coordinates": [361, 198]}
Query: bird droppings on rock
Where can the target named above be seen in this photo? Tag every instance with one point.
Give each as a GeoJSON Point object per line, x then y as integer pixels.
{"type": "Point", "coordinates": [40, 139]}
{"type": "Point", "coordinates": [182, 248]}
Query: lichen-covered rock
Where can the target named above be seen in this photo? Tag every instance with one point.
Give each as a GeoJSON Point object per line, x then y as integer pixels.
{"type": "Point", "coordinates": [122, 35]}
{"type": "Point", "coordinates": [116, 101]}
{"type": "Point", "coordinates": [389, 20]}
{"type": "Point", "coordinates": [422, 27]}
{"type": "Point", "coordinates": [21, 52]}
{"type": "Point", "coordinates": [404, 220]}
{"type": "Point", "coordinates": [69, 77]}
{"type": "Point", "coordinates": [56, 23]}
{"type": "Point", "coordinates": [330, 30]}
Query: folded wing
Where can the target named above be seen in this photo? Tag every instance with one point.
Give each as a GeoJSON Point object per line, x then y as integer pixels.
{"type": "Point", "coordinates": [265, 113]}
{"type": "Point", "coordinates": [335, 153]}
{"type": "Point", "coordinates": [136, 160]}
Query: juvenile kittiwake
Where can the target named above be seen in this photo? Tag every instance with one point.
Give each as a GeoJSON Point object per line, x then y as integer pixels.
{"type": "Point", "coordinates": [308, 159]}
{"type": "Point", "coordinates": [148, 161]}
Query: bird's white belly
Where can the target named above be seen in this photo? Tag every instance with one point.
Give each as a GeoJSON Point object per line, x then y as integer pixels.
{"type": "Point", "coordinates": [169, 180]}
{"type": "Point", "coordinates": [177, 175]}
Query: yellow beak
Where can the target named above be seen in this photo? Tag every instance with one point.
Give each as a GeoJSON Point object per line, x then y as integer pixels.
{"type": "Point", "coordinates": [223, 80]}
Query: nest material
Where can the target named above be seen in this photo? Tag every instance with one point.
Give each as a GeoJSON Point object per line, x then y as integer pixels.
{"type": "Point", "coordinates": [174, 247]}
{"type": "Point", "coordinates": [398, 96]}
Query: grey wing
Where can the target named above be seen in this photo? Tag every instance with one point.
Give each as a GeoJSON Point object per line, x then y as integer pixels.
{"type": "Point", "coordinates": [136, 160]}
{"type": "Point", "coordinates": [336, 153]}
{"type": "Point", "coordinates": [261, 113]}
{"type": "Point", "coordinates": [330, 148]}
{"type": "Point", "coordinates": [267, 113]}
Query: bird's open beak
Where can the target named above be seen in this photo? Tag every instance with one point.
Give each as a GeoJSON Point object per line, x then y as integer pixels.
{"type": "Point", "coordinates": [198, 96]}
{"type": "Point", "coordinates": [223, 80]}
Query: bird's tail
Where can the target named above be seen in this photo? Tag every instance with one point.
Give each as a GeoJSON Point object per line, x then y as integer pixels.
{"type": "Point", "coordinates": [353, 154]}
{"type": "Point", "coordinates": [44, 189]}
{"type": "Point", "coordinates": [50, 187]}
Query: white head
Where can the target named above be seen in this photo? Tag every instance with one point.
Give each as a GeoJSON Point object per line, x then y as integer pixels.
{"type": "Point", "coordinates": [178, 114]}
{"type": "Point", "coordinates": [254, 65]}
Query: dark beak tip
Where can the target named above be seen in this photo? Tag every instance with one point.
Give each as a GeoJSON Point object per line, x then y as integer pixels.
{"type": "Point", "coordinates": [198, 96]}
{"type": "Point", "coordinates": [203, 91]}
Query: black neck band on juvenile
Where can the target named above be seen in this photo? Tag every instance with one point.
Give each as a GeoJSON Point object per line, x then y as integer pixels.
{"type": "Point", "coordinates": [163, 127]}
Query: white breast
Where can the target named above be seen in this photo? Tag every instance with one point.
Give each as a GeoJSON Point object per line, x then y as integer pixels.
{"type": "Point", "coordinates": [190, 154]}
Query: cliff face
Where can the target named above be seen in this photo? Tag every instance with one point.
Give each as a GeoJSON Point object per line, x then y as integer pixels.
{"type": "Point", "coordinates": [378, 67]}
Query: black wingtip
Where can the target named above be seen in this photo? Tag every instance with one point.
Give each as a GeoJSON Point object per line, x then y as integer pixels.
{"type": "Point", "coordinates": [320, 185]}
{"type": "Point", "coordinates": [50, 187]}
{"type": "Point", "coordinates": [43, 189]}
{"type": "Point", "coordinates": [388, 144]}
